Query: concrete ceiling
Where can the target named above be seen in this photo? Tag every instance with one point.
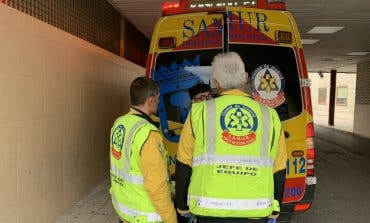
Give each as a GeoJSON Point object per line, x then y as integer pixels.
{"type": "Point", "coordinates": [329, 53]}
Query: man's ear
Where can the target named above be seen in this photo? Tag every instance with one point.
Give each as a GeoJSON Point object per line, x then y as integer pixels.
{"type": "Point", "coordinates": [246, 78]}
{"type": "Point", "coordinates": [218, 86]}
{"type": "Point", "coordinates": [148, 100]}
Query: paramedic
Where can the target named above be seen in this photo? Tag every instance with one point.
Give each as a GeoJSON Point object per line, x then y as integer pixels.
{"type": "Point", "coordinates": [140, 186]}
{"type": "Point", "coordinates": [232, 155]}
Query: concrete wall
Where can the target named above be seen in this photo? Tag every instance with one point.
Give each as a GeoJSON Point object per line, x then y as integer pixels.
{"type": "Point", "coordinates": [344, 114]}
{"type": "Point", "coordinates": [362, 107]}
{"type": "Point", "coordinates": [59, 96]}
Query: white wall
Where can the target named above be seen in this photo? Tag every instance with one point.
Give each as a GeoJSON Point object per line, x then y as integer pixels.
{"type": "Point", "coordinates": [58, 98]}
{"type": "Point", "coordinates": [344, 114]}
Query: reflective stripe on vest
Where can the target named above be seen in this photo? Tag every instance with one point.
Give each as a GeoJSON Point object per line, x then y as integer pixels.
{"type": "Point", "coordinates": [125, 174]}
{"type": "Point", "coordinates": [150, 216]}
{"type": "Point", "coordinates": [233, 204]}
{"type": "Point", "coordinates": [266, 129]}
{"type": "Point", "coordinates": [211, 126]}
{"type": "Point", "coordinates": [130, 136]}
{"type": "Point", "coordinates": [230, 159]}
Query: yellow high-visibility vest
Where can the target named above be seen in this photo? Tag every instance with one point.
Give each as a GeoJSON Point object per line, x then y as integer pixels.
{"type": "Point", "coordinates": [236, 141]}
{"type": "Point", "coordinates": [129, 197]}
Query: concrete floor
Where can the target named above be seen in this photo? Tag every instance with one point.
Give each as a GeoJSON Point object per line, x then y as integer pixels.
{"type": "Point", "coordinates": [342, 168]}
{"type": "Point", "coordinates": [94, 208]}
{"type": "Point", "coordinates": [342, 194]}
{"type": "Point", "coordinates": [340, 123]}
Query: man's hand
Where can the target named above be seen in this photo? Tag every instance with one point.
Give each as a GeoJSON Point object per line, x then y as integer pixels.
{"type": "Point", "coordinates": [187, 214]}
{"type": "Point", "coordinates": [184, 213]}
{"type": "Point", "coordinates": [275, 212]}
{"type": "Point", "coordinates": [274, 215]}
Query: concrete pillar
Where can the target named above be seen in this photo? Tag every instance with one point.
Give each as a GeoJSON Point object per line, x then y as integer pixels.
{"type": "Point", "coordinates": [333, 83]}
{"type": "Point", "coordinates": [361, 124]}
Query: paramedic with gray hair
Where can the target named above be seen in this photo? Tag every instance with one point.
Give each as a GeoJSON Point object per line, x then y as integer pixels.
{"type": "Point", "coordinates": [231, 159]}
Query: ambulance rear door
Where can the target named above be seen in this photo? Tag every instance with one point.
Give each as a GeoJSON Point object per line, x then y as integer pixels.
{"type": "Point", "coordinates": [185, 46]}
{"type": "Point", "coordinates": [268, 43]}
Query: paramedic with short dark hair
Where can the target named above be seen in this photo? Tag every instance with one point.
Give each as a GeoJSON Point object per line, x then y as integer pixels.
{"type": "Point", "coordinates": [232, 156]}
{"type": "Point", "coordinates": [200, 92]}
{"type": "Point", "coordinates": [140, 186]}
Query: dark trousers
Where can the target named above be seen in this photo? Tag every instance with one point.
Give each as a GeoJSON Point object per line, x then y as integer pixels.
{"type": "Point", "coordinates": [202, 219]}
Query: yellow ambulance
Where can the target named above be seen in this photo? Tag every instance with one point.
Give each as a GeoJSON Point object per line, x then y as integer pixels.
{"type": "Point", "coordinates": [188, 36]}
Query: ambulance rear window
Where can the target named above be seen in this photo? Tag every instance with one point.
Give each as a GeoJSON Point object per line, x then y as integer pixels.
{"type": "Point", "coordinates": [177, 72]}
{"type": "Point", "coordinates": [273, 76]}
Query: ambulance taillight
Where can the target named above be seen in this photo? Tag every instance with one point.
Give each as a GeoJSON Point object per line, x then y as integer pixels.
{"type": "Point", "coordinates": [310, 133]}
{"type": "Point", "coordinates": [302, 207]}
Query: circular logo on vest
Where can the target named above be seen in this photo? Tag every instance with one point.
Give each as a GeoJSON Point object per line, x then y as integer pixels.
{"type": "Point", "coordinates": [239, 124]}
{"type": "Point", "coordinates": [268, 85]}
{"type": "Point", "coordinates": [118, 136]}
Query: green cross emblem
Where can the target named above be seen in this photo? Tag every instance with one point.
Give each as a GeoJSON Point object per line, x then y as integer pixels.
{"type": "Point", "coordinates": [239, 121]}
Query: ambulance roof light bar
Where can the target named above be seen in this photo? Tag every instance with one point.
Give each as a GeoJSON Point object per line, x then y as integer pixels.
{"type": "Point", "coordinates": [186, 6]}
{"type": "Point", "coordinates": [171, 8]}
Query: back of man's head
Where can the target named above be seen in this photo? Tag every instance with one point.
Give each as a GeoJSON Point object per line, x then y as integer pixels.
{"type": "Point", "coordinates": [229, 71]}
{"type": "Point", "coordinates": [141, 89]}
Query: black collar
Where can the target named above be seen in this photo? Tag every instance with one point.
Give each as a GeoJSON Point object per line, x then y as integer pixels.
{"type": "Point", "coordinates": [146, 117]}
